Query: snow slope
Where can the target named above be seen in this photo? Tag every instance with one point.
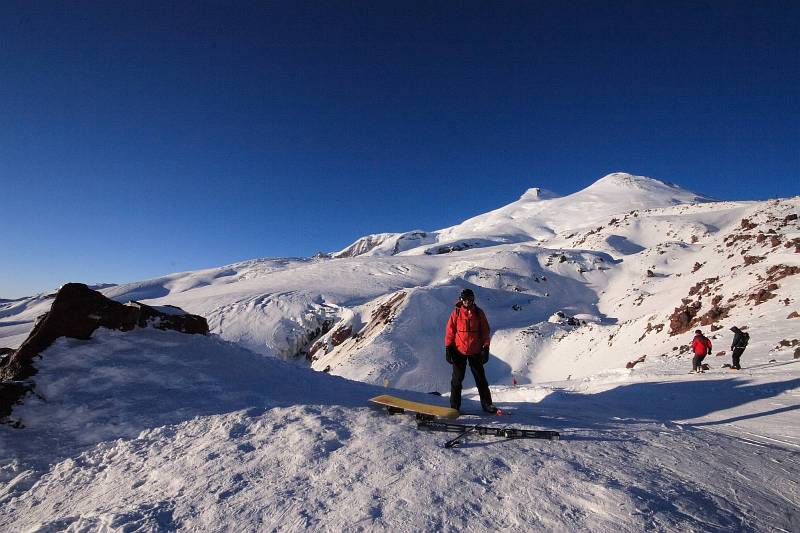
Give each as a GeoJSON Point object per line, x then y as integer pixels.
{"type": "Point", "coordinates": [158, 431]}
{"type": "Point", "coordinates": [17, 317]}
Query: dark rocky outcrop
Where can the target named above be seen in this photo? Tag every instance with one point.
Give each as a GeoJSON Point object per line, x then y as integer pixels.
{"type": "Point", "coordinates": [687, 315]}
{"type": "Point", "coordinates": [715, 314]}
{"type": "Point", "coordinates": [650, 327]}
{"type": "Point", "coordinates": [316, 347]}
{"type": "Point", "coordinates": [381, 316]}
{"type": "Point", "coordinates": [169, 317]}
{"type": "Point", "coordinates": [794, 242]}
{"type": "Point", "coordinates": [705, 287]}
{"type": "Point", "coordinates": [10, 393]}
{"type": "Point", "coordinates": [632, 364]}
{"type": "Point", "coordinates": [341, 334]}
{"type": "Point", "coordinates": [747, 225]}
{"type": "Point", "coordinates": [77, 311]}
{"type": "Point", "coordinates": [753, 259]}
{"type": "Point", "coordinates": [683, 317]}
{"type": "Point", "coordinates": [460, 247]}
{"type": "Point", "coordinates": [787, 343]}
{"type": "Point", "coordinates": [778, 272]}
{"type": "Point", "coordinates": [308, 346]}
{"type": "Point", "coordinates": [763, 294]}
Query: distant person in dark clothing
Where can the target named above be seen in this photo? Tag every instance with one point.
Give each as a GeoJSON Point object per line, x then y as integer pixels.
{"type": "Point", "coordinates": [466, 340]}
{"type": "Point", "coordinates": [740, 340]}
{"type": "Point", "coordinates": [701, 346]}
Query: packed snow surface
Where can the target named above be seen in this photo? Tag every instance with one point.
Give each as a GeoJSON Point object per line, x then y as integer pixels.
{"type": "Point", "coordinates": [157, 431]}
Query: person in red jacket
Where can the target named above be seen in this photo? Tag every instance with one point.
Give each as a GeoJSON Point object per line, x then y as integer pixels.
{"type": "Point", "coordinates": [466, 340]}
{"type": "Point", "coordinates": [701, 346]}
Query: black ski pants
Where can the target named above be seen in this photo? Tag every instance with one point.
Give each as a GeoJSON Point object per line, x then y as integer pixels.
{"type": "Point", "coordinates": [697, 362]}
{"type": "Point", "coordinates": [737, 354]}
{"type": "Point", "coordinates": [459, 369]}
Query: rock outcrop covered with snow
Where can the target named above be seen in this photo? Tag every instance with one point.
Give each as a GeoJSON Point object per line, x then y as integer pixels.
{"type": "Point", "coordinates": [76, 312]}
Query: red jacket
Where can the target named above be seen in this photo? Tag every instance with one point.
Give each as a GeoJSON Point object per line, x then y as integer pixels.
{"type": "Point", "coordinates": [701, 345]}
{"type": "Point", "coordinates": [468, 329]}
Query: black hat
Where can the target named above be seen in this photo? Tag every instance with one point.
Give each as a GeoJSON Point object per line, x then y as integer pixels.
{"type": "Point", "coordinates": [698, 332]}
{"type": "Point", "coordinates": [467, 294]}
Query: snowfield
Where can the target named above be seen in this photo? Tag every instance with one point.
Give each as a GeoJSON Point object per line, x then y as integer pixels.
{"type": "Point", "coordinates": [156, 431]}
{"type": "Point", "coordinates": [241, 430]}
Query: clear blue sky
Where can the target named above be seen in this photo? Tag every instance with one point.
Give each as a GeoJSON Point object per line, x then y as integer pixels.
{"type": "Point", "coordinates": [138, 140]}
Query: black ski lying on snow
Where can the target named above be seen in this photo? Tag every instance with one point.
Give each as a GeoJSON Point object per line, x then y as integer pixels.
{"type": "Point", "coordinates": [509, 433]}
{"type": "Point", "coordinates": [452, 443]}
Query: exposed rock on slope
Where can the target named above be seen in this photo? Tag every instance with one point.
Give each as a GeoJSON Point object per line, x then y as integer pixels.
{"type": "Point", "coordinates": [76, 312]}
{"type": "Point", "coordinates": [380, 316]}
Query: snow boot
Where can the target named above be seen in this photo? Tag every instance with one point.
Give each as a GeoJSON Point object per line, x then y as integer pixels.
{"type": "Point", "coordinates": [491, 408]}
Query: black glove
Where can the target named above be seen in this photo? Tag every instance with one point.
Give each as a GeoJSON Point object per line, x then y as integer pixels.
{"type": "Point", "coordinates": [484, 355]}
{"type": "Point", "coordinates": [448, 353]}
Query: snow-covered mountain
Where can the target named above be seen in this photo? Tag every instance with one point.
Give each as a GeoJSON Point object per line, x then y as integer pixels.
{"type": "Point", "coordinates": [576, 289]}
{"type": "Point", "coordinates": [537, 216]}
{"type": "Point", "coordinates": [376, 310]}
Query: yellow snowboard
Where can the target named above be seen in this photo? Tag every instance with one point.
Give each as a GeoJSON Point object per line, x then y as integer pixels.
{"type": "Point", "coordinates": [398, 405]}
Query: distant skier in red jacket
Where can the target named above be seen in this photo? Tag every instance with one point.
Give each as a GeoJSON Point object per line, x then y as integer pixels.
{"type": "Point", "coordinates": [701, 346]}
{"type": "Point", "coordinates": [466, 340]}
